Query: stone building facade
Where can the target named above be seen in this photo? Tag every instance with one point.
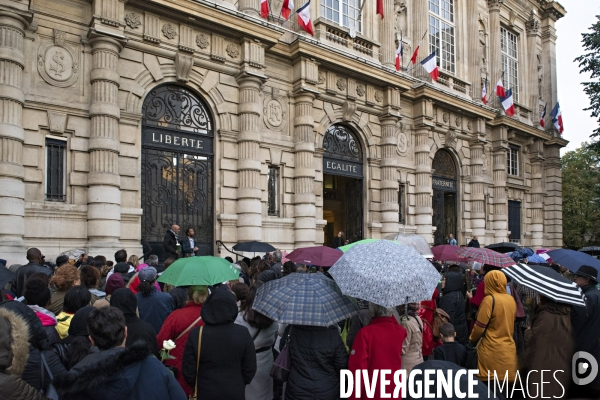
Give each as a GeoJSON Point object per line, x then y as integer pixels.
{"type": "Point", "coordinates": [120, 118]}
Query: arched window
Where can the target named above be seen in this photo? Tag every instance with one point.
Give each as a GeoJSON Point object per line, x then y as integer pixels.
{"type": "Point", "coordinates": [340, 143]}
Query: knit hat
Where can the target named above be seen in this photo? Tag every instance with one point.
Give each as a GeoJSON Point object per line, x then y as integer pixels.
{"type": "Point", "coordinates": [122, 268]}
{"type": "Point", "coordinates": [114, 282]}
{"type": "Point", "coordinates": [147, 274]}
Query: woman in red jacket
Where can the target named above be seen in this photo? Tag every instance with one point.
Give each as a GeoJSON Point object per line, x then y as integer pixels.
{"type": "Point", "coordinates": [177, 328]}
{"type": "Point", "coordinates": [426, 314]}
{"type": "Point", "coordinates": [378, 346]}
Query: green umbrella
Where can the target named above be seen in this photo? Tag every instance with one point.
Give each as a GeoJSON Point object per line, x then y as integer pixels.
{"type": "Point", "coordinates": [350, 245]}
{"type": "Point", "coordinates": [204, 270]}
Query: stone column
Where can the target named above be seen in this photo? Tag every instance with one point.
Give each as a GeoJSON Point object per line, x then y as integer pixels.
{"type": "Point", "coordinates": [531, 88]}
{"type": "Point", "coordinates": [423, 190]}
{"type": "Point", "coordinates": [495, 64]}
{"type": "Point", "coordinates": [536, 160]}
{"type": "Point", "coordinates": [499, 178]}
{"type": "Point", "coordinates": [420, 23]}
{"type": "Point", "coordinates": [389, 175]}
{"type": "Point", "coordinates": [12, 136]}
{"type": "Point", "coordinates": [477, 189]}
{"type": "Point", "coordinates": [304, 171]}
{"type": "Point", "coordinates": [553, 226]}
{"type": "Point", "coordinates": [549, 91]}
{"type": "Point", "coordinates": [104, 195]}
{"type": "Point", "coordinates": [249, 208]}
{"type": "Point", "coordinates": [386, 35]}
{"type": "Point", "coordinates": [251, 7]}
{"type": "Point", "coordinates": [474, 52]}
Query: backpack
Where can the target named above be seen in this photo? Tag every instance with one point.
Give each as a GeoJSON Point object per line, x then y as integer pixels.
{"type": "Point", "coordinates": [440, 317]}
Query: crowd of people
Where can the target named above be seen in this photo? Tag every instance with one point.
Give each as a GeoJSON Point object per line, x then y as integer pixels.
{"type": "Point", "coordinates": [92, 328]}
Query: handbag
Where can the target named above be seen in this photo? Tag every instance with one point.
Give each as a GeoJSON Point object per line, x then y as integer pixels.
{"type": "Point", "coordinates": [471, 358]}
{"type": "Point", "coordinates": [195, 395]}
{"type": "Point", "coordinates": [280, 371]}
{"type": "Point", "coordinates": [50, 391]}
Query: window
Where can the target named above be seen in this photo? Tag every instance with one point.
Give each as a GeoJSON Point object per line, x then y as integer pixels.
{"type": "Point", "coordinates": [510, 62]}
{"type": "Point", "coordinates": [514, 220]}
{"type": "Point", "coordinates": [273, 191]}
{"type": "Point", "coordinates": [55, 169]}
{"type": "Point", "coordinates": [512, 160]}
{"type": "Point", "coordinates": [343, 12]}
{"type": "Point", "coordinates": [401, 205]}
{"type": "Point", "coordinates": [441, 33]}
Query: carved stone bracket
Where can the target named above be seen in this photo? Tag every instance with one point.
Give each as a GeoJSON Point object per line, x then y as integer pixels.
{"type": "Point", "coordinates": [183, 66]}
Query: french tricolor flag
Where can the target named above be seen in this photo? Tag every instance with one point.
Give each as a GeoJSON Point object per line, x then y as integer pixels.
{"type": "Point", "coordinates": [399, 55]}
{"type": "Point", "coordinates": [557, 119]}
{"type": "Point", "coordinates": [264, 8]}
{"type": "Point", "coordinates": [484, 92]}
{"type": "Point", "coordinates": [500, 89]}
{"type": "Point", "coordinates": [379, 8]}
{"type": "Point", "coordinates": [508, 103]}
{"type": "Point", "coordinates": [304, 18]}
{"type": "Point", "coordinates": [542, 117]}
{"type": "Point", "coordinates": [430, 65]}
{"type": "Point", "coordinates": [286, 8]}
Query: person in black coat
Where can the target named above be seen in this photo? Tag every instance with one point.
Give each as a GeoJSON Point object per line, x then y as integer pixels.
{"type": "Point", "coordinates": [474, 242]}
{"type": "Point", "coordinates": [35, 265]}
{"type": "Point", "coordinates": [453, 302]}
{"type": "Point", "coordinates": [170, 242]}
{"type": "Point", "coordinates": [137, 330]}
{"type": "Point", "coordinates": [77, 345]}
{"type": "Point", "coordinates": [318, 354]}
{"type": "Point", "coordinates": [586, 325]}
{"type": "Point", "coordinates": [227, 355]}
{"type": "Point", "coordinates": [338, 241]}
{"type": "Point", "coordinates": [450, 350]}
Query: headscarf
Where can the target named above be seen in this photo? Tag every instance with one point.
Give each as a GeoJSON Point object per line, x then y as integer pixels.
{"type": "Point", "coordinates": [180, 297]}
{"type": "Point", "coordinates": [114, 282]}
{"type": "Point", "coordinates": [78, 325]}
{"type": "Point", "coordinates": [495, 283]}
{"type": "Point", "coordinates": [124, 300]}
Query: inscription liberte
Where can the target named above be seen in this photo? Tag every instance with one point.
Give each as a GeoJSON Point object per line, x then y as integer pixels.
{"type": "Point", "coordinates": [332, 165]}
{"type": "Point", "coordinates": [176, 140]}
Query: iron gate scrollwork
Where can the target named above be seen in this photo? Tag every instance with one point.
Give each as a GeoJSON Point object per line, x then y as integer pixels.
{"type": "Point", "coordinates": [177, 182]}
{"type": "Point", "coordinates": [354, 210]}
{"type": "Point", "coordinates": [514, 220]}
{"type": "Point", "coordinates": [339, 143]}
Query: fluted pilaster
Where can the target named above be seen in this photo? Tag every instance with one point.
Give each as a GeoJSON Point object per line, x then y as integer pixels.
{"type": "Point", "coordinates": [500, 201]}
{"type": "Point", "coordinates": [389, 179]}
{"type": "Point", "coordinates": [386, 35]}
{"type": "Point", "coordinates": [104, 196]}
{"type": "Point", "coordinates": [423, 190]}
{"type": "Point", "coordinates": [537, 196]}
{"type": "Point", "coordinates": [420, 24]}
{"type": "Point", "coordinates": [12, 188]}
{"type": "Point", "coordinates": [495, 64]}
{"type": "Point", "coordinates": [251, 7]}
{"type": "Point", "coordinates": [532, 94]}
{"type": "Point", "coordinates": [304, 172]}
{"type": "Point", "coordinates": [249, 209]}
{"type": "Point", "coordinates": [477, 190]}
{"type": "Point", "coordinates": [553, 225]}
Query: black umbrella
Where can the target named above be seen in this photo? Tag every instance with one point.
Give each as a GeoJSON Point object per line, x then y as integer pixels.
{"type": "Point", "coordinates": [591, 250]}
{"type": "Point", "coordinates": [6, 276]}
{"type": "Point", "coordinates": [446, 367]}
{"type": "Point", "coordinates": [504, 247]}
{"type": "Point", "coordinates": [254, 247]}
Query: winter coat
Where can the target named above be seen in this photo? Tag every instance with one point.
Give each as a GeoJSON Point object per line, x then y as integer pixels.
{"type": "Point", "coordinates": [497, 350]}
{"type": "Point", "coordinates": [318, 354]}
{"type": "Point", "coordinates": [378, 346]}
{"type": "Point", "coordinates": [170, 243]}
{"type": "Point", "coordinates": [63, 321]}
{"type": "Point", "coordinates": [120, 374]}
{"type": "Point", "coordinates": [357, 322]}
{"type": "Point", "coordinates": [474, 243]}
{"type": "Point", "coordinates": [451, 351]}
{"type": "Point", "coordinates": [227, 356]}
{"type": "Point", "coordinates": [14, 351]}
{"type": "Point", "coordinates": [453, 302]}
{"type": "Point", "coordinates": [48, 320]}
{"type": "Point", "coordinates": [586, 325]}
{"type": "Point", "coordinates": [155, 308]}
{"type": "Point", "coordinates": [261, 387]}
{"type": "Point", "coordinates": [174, 325]}
{"type": "Point", "coordinates": [24, 273]}
{"type": "Point", "coordinates": [38, 343]}
{"type": "Point", "coordinates": [412, 345]}
{"type": "Point", "coordinates": [426, 313]}
{"type": "Point", "coordinates": [549, 346]}
{"type": "Point", "coordinates": [58, 299]}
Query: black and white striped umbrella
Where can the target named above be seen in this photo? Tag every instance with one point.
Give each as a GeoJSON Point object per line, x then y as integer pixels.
{"type": "Point", "coordinates": [547, 282]}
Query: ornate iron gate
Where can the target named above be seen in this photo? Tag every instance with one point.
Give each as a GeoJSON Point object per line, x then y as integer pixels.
{"type": "Point", "coordinates": [438, 217]}
{"type": "Point", "coordinates": [514, 220]}
{"type": "Point", "coordinates": [354, 210]}
{"type": "Point", "coordinates": [177, 167]}
{"type": "Point", "coordinates": [445, 198]}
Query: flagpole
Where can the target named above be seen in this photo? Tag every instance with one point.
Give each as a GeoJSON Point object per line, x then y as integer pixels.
{"type": "Point", "coordinates": [420, 42]}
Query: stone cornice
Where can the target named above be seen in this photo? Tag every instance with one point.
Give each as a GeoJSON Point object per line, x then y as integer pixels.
{"type": "Point", "coordinates": [552, 9]}
{"type": "Point", "coordinates": [523, 129]}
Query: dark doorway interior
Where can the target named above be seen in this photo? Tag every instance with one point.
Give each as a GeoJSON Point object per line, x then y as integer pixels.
{"type": "Point", "coordinates": [444, 215]}
{"type": "Point", "coordinates": [342, 207]}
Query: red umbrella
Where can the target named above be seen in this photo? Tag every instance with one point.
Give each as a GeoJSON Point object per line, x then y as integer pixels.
{"type": "Point", "coordinates": [486, 256]}
{"type": "Point", "coordinates": [322, 256]}
{"type": "Point", "coordinates": [447, 252]}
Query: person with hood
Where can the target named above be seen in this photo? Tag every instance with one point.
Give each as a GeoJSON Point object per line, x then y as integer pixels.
{"type": "Point", "coordinates": [38, 297]}
{"type": "Point", "coordinates": [412, 348]}
{"type": "Point", "coordinates": [63, 279]}
{"type": "Point", "coordinates": [177, 328]}
{"type": "Point", "coordinates": [76, 298]}
{"type": "Point", "coordinates": [378, 346]}
{"type": "Point", "coordinates": [14, 351]}
{"type": "Point", "coordinates": [113, 283]}
{"type": "Point", "coordinates": [227, 357]}
{"type": "Point", "coordinates": [77, 345]}
{"type": "Point", "coordinates": [426, 313]}
{"type": "Point", "coordinates": [474, 243]}
{"type": "Point", "coordinates": [551, 325]}
{"type": "Point", "coordinates": [453, 302]}
{"type": "Point", "coordinates": [264, 331]}
{"type": "Point", "coordinates": [116, 372]}
{"type": "Point", "coordinates": [153, 306]}
{"type": "Point", "coordinates": [497, 350]}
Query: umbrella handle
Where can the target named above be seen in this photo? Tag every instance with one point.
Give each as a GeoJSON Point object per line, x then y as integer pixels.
{"type": "Point", "coordinates": [220, 243]}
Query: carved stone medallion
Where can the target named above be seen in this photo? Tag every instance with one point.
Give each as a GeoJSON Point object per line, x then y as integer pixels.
{"type": "Point", "coordinates": [341, 84]}
{"type": "Point", "coordinates": [232, 50]}
{"type": "Point", "coordinates": [378, 96]}
{"type": "Point", "coordinates": [133, 20]}
{"type": "Point", "coordinates": [58, 62]}
{"type": "Point", "coordinates": [360, 90]}
{"type": "Point", "coordinates": [274, 110]}
{"type": "Point", "coordinates": [321, 78]}
{"type": "Point", "coordinates": [402, 143]}
{"type": "Point", "coordinates": [202, 41]}
{"type": "Point", "coordinates": [169, 31]}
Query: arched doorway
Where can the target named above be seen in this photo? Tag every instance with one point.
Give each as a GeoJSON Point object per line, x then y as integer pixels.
{"type": "Point", "coordinates": [177, 167]}
{"type": "Point", "coordinates": [445, 196]}
{"type": "Point", "coordinates": [342, 184]}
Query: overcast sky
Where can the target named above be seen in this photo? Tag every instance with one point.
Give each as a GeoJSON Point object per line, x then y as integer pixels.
{"type": "Point", "coordinates": [578, 123]}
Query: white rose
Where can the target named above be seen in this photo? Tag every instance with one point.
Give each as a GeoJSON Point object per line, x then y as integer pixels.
{"type": "Point", "coordinates": [168, 345]}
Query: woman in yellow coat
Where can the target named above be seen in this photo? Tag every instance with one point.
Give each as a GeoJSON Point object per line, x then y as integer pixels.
{"type": "Point", "coordinates": [497, 350]}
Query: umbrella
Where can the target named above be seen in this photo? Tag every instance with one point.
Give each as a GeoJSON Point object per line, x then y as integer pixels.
{"type": "Point", "coordinates": [591, 250]}
{"type": "Point", "coordinates": [524, 252]}
{"type": "Point", "coordinates": [385, 273]}
{"type": "Point", "coordinates": [303, 299]}
{"type": "Point", "coordinates": [351, 245]}
{"type": "Point", "coordinates": [547, 282]}
{"type": "Point", "coordinates": [447, 252]}
{"type": "Point", "coordinates": [319, 255]}
{"type": "Point", "coordinates": [200, 270]}
{"type": "Point", "coordinates": [412, 240]}
{"type": "Point", "coordinates": [6, 276]}
{"type": "Point", "coordinates": [486, 256]}
{"type": "Point", "coordinates": [572, 260]}
{"type": "Point", "coordinates": [503, 247]}
{"type": "Point", "coordinates": [536, 259]}
{"type": "Point", "coordinates": [254, 247]}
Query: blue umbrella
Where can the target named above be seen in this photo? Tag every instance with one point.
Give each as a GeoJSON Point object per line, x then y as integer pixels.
{"type": "Point", "coordinates": [536, 259]}
{"type": "Point", "coordinates": [572, 260]}
{"type": "Point", "coordinates": [304, 299]}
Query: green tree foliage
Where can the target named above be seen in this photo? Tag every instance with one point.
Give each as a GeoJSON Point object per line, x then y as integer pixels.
{"type": "Point", "coordinates": [581, 197]}
{"type": "Point", "coordinates": [589, 62]}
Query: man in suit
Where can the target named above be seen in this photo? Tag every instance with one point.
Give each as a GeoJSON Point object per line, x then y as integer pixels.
{"type": "Point", "coordinates": [188, 245]}
{"type": "Point", "coordinates": [170, 242]}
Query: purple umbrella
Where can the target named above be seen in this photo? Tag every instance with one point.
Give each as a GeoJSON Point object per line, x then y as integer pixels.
{"type": "Point", "coordinates": [322, 256]}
